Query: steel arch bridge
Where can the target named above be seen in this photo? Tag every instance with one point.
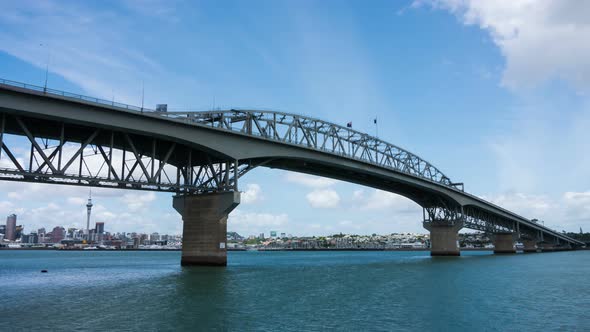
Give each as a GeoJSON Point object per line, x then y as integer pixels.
{"type": "Point", "coordinates": [81, 140]}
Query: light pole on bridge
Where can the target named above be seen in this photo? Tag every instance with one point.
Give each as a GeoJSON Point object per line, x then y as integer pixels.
{"type": "Point", "coordinates": [46, 66]}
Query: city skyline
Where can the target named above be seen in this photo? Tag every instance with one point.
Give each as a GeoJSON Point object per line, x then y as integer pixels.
{"type": "Point", "coordinates": [470, 106]}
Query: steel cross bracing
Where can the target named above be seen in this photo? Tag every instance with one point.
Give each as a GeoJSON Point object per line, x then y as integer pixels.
{"type": "Point", "coordinates": [317, 134]}
{"type": "Point", "coordinates": [111, 159]}
{"type": "Point", "coordinates": [469, 217]}
{"type": "Point", "coordinates": [99, 157]}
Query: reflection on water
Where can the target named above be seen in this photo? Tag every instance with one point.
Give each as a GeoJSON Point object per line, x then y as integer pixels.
{"type": "Point", "coordinates": [149, 291]}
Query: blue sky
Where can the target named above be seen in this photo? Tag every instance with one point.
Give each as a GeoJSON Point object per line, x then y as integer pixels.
{"type": "Point", "coordinates": [495, 94]}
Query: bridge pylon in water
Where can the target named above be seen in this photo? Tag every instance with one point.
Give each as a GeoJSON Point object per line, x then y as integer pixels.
{"type": "Point", "coordinates": [444, 225]}
{"type": "Point", "coordinates": [199, 156]}
{"type": "Point", "coordinates": [204, 231]}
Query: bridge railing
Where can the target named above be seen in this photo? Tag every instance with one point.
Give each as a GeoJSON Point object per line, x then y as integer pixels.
{"type": "Point", "coordinates": [288, 128]}
{"type": "Point", "coordinates": [299, 130]}
{"type": "Point", "coordinates": [319, 135]}
{"type": "Point", "coordinates": [49, 91]}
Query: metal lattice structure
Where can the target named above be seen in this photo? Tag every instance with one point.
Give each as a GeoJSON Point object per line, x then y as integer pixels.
{"type": "Point", "coordinates": [327, 137]}
{"type": "Point", "coordinates": [64, 150]}
{"type": "Point", "coordinates": [112, 159]}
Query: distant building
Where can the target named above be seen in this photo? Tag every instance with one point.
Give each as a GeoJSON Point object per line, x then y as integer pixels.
{"type": "Point", "coordinates": [261, 236]}
{"type": "Point", "coordinates": [19, 231]}
{"type": "Point", "coordinates": [99, 231]}
{"type": "Point", "coordinates": [10, 228]}
{"type": "Point", "coordinates": [57, 234]}
{"type": "Point", "coordinates": [273, 234]}
{"type": "Point", "coordinates": [154, 237]}
{"type": "Point", "coordinates": [283, 235]}
{"type": "Point", "coordinates": [33, 238]}
{"type": "Point", "coordinates": [100, 227]}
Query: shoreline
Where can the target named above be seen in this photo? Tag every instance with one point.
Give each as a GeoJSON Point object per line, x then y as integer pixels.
{"type": "Point", "coordinates": [258, 249]}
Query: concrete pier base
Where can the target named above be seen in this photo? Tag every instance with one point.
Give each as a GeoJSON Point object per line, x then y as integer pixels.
{"type": "Point", "coordinates": [530, 246]}
{"type": "Point", "coordinates": [546, 247]}
{"type": "Point", "coordinates": [444, 239]}
{"type": "Point", "coordinates": [504, 243]}
{"type": "Point", "coordinates": [204, 228]}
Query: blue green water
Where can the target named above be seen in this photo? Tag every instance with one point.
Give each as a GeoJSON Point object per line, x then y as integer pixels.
{"type": "Point", "coordinates": [294, 291]}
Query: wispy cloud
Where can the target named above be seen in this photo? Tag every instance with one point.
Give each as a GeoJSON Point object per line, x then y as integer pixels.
{"type": "Point", "coordinates": [94, 48]}
{"type": "Point", "coordinates": [541, 40]}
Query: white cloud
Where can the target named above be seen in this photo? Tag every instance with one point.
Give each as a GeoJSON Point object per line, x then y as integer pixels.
{"type": "Point", "coordinates": [137, 201]}
{"type": "Point", "coordinates": [323, 198]}
{"type": "Point", "coordinates": [577, 206]}
{"type": "Point", "coordinates": [541, 40]}
{"type": "Point", "coordinates": [248, 223]}
{"type": "Point", "coordinates": [86, 45]}
{"type": "Point", "coordinates": [252, 194]}
{"type": "Point", "coordinates": [309, 180]}
{"type": "Point", "coordinates": [568, 211]}
{"type": "Point", "coordinates": [379, 199]}
{"type": "Point", "coordinates": [6, 206]}
{"type": "Point", "coordinates": [526, 205]}
{"type": "Point", "coordinates": [76, 201]}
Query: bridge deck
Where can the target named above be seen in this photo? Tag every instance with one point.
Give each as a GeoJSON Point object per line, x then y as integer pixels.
{"type": "Point", "coordinates": [249, 138]}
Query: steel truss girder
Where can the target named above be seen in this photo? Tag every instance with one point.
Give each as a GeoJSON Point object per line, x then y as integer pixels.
{"type": "Point", "coordinates": [486, 222]}
{"type": "Point", "coordinates": [442, 212]}
{"type": "Point", "coordinates": [446, 213]}
{"type": "Point", "coordinates": [92, 163]}
{"type": "Point", "coordinates": [319, 135]}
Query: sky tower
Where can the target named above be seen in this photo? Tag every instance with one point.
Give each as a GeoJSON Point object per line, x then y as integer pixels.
{"type": "Point", "coordinates": [88, 210]}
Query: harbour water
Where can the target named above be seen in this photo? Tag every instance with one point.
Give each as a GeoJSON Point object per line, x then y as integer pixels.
{"type": "Point", "coordinates": [294, 291]}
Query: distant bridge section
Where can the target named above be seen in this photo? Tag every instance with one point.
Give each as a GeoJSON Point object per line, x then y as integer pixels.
{"type": "Point", "coordinates": [82, 140]}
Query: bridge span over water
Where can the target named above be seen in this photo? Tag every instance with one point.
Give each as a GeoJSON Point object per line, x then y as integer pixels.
{"type": "Point", "coordinates": [200, 156]}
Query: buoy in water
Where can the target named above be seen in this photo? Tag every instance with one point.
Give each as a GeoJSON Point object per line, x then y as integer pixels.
{"type": "Point", "coordinates": [43, 271]}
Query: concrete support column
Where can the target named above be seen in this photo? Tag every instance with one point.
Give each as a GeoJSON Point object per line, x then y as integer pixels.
{"type": "Point", "coordinates": [444, 238]}
{"type": "Point", "coordinates": [546, 247]}
{"type": "Point", "coordinates": [529, 245]}
{"type": "Point", "coordinates": [504, 243]}
{"type": "Point", "coordinates": [204, 230]}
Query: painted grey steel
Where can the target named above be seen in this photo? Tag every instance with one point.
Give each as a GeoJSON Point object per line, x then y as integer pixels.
{"type": "Point", "coordinates": [193, 152]}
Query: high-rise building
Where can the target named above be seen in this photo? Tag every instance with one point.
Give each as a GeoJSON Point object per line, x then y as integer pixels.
{"type": "Point", "coordinates": [154, 237]}
{"type": "Point", "coordinates": [11, 227]}
{"type": "Point", "coordinates": [18, 232]}
{"type": "Point", "coordinates": [41, 233]}
{"type": "Point", "coordinates": [33, 238]}
{"type": "Point", "coordinates": [99, 228]}
{"type": "Point", "coordinates": [88, 209]}
{"type": "Point", "coordinates": [57, 234]}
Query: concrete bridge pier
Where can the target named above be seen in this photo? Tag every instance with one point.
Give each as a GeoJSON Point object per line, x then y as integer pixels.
{"type": "Point", "coordinates": [529, 245]}
{"type": "Point", "coordinates": [546, 246]}
{"type": "Point", "coordinates": [444, 238]}
{"type": "Point", "coordinates": [204, 231]}
{"type": "Point", "coordinates": [504, 243]}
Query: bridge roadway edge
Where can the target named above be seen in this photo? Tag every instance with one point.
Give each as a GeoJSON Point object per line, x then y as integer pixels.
{"type": "Point", "coordinates": [219, 142]}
